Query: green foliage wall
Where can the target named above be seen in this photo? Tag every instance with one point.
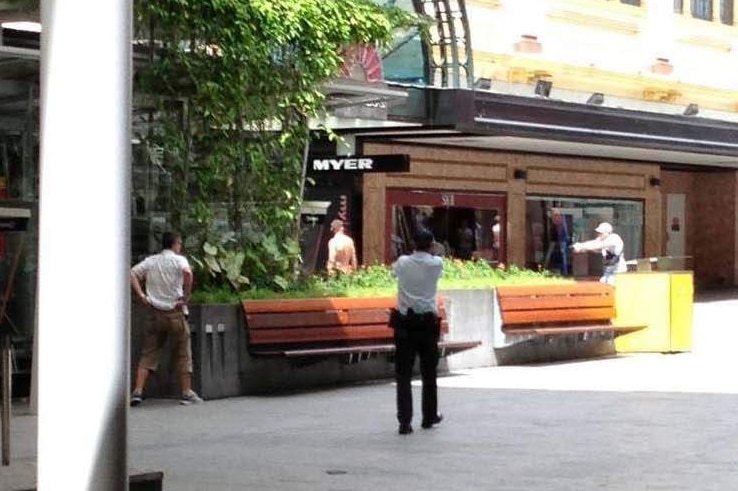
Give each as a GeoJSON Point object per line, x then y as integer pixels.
{"type": "Point", "coordinates": [231, 86]}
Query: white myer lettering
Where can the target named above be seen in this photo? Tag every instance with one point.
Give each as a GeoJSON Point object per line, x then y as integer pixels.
{"type": "Point", "coordinates": [346, 164]}
{"type": "Point", "coordinates": [321, 164]}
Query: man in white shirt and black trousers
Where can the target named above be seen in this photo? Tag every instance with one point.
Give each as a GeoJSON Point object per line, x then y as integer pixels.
{"type": "Point", "coordinates": [417, 330]}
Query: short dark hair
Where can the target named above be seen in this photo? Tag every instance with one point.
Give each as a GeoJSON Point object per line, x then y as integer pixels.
{"type": "Point", "coordinates": [168, 239]}
{"type": "Point", "coordinates": [423, 240]}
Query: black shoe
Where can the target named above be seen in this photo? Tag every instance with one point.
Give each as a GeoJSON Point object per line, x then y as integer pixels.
{"type": "Point", "coordinates": [405, 429]}
{"type": "Point", "coordinates": [136, 399]}
{"type": "Point", "coordinates": [434, 421]}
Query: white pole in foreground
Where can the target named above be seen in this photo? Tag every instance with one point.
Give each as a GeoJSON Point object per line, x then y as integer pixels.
{"type": "Point", "coordinates": [84, 235]}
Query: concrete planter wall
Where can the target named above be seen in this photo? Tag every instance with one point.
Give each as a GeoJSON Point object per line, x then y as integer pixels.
{"type": "Point", "coordinates": [223, 366]}
{"type": "Point", "coordinates": [474, 314]}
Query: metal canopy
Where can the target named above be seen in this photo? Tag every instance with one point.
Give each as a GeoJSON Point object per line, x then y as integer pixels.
{"type": "Point", "coordinates": [447, 49]}
{"type": "Point", "coordinates": [490, 121]}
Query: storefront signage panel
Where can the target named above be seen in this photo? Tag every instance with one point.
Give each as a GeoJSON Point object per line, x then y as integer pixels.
{"type": "Point", "coordinates": [333, 164]}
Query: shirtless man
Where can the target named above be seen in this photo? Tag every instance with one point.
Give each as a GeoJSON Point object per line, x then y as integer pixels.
{"type": "Point", "coordinates": [341, 250]}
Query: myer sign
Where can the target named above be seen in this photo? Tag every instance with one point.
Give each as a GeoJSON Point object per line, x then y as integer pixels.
{"type": "Point", "coordinates": [343, 164]}
{"type": "Point", "coordinates": [360, 164]}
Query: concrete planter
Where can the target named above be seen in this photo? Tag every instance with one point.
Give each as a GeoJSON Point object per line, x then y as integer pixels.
{"type": "Point", "coordinates": [474, 314]}
{"type": "Point", "coordinates": [217, 347]}
{"type": "Point", "coordinates": [223, 366]}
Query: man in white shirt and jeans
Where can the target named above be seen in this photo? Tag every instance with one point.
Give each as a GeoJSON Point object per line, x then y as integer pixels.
{"type": "Point", "coordinates": [417, 330]}
{"type": "Point", "coordinates": [168, 280]}
{"type": "Point", "coordinates": [611, 246]}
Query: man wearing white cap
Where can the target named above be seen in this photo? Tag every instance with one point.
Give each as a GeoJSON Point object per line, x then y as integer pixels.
{"type": "Point", "coordinates": [611, 246]}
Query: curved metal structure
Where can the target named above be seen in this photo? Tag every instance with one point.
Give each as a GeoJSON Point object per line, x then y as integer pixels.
{"type": "Point", "coordinates": [447, 47]}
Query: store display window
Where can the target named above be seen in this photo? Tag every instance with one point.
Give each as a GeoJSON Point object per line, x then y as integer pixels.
{"type": "Point", "coordinates": [465, 226]}
{"type": "Point", "coordinates": [555, 223]}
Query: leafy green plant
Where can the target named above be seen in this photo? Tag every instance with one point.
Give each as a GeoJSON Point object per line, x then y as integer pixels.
{"type": "Point", "coordinates": [222, 264]}
{"type": "Point", "coordinates": [377, 281]}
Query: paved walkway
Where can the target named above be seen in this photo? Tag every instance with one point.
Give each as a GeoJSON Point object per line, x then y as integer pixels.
{"type": "Point", "coordinates": [641, 422]}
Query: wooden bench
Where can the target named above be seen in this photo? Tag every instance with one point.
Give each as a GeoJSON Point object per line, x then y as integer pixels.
{"type": "Point", "coordinates": [356, 327]}
{"type": "Point", "coordinates": [546, 310]}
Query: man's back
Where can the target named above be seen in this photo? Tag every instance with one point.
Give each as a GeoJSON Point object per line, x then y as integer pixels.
{"type": "Point", "coordinates": [163, 274]}
{"type": "Point", "coordinates": [341, 253]}
{"type": "Point", "coordinates": [417, 331]}
{"type": "Point", "coordinates": [417, 280]}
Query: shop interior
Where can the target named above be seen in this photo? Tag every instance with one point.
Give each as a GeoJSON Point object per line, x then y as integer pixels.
{"type": "Point", "coordinates": [459, 232]}
{"type": "Point", "coordinates": [554, 224]}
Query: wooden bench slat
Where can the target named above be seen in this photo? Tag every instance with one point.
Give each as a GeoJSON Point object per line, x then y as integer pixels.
{"type": "Point", "coordinates": [368, 316]}
{"type": "Point", "coordinates": [315, 304]}
{"type": "Point", "coordinates": [554, 302]}
{"type": "Point", "coordinates": [321, 319]}
{"type": "Point", "coordinates": [579, 288]}
{"type": "Point", "coordinates": [305, 335]}
{"type": "Point", "coordinates": [603, 314]}
{"type": "Point", "coordinates": [297, 319]}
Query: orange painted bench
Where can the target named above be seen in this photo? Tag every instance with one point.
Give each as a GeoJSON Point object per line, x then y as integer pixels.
{"type": "Point", "coordinates": [543, 310]}
{"type": "Point", "coordinates": [356, 327]}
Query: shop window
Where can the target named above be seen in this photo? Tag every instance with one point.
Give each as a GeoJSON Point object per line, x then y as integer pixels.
{"type": "Point", "coordinates": [726, 12]}
{"type": "Point", "coordinates": [554, 224]}
{"type": "Point", "coordinates": [678, 6]}
{"type": "Point", "coordinates": [702, 9]}
{"type": "Point", "coordinates": [461, 233]}
{"type": "Point", "coordinates": [465, 226]}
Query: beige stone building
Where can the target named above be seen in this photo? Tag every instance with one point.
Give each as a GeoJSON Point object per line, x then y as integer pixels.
{"type": "Point", "coordinates": [527, 122]}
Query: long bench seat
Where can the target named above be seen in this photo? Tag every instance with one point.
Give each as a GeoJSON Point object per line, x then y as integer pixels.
{"type": "Point", "coordinates": [559, 309]}
{"type": "Point", "coordinates": [353, 327]}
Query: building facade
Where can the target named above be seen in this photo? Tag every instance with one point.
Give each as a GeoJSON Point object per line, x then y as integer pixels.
{"type": "Point", "coordinates": [526, 122]}
{"type": "Point", "coordinates": [533, 120]}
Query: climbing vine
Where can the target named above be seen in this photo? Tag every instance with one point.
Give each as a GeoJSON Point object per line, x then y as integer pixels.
{"type": "Point", "coordinates": [231, 86]}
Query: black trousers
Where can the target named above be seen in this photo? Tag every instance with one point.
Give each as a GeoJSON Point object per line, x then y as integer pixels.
{"type": "Point", "coordinates": [416, 335]}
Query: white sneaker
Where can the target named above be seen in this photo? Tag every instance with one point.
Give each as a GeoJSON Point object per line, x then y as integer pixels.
{"type": "Point", "coordinates": [190, 397]}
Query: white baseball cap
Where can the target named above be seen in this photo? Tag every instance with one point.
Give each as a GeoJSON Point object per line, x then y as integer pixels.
{"type": "Point", "coordinates": [604, 228]}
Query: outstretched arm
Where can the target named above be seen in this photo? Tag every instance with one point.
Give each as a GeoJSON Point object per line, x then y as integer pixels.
{"type": "Point", "coordinates": [593, 245]}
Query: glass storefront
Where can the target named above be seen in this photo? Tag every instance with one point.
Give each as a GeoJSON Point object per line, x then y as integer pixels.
{"type": "Point", "coordinates": [555, 223]}
{"type": "Point", "coordinates": [465, 225]}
